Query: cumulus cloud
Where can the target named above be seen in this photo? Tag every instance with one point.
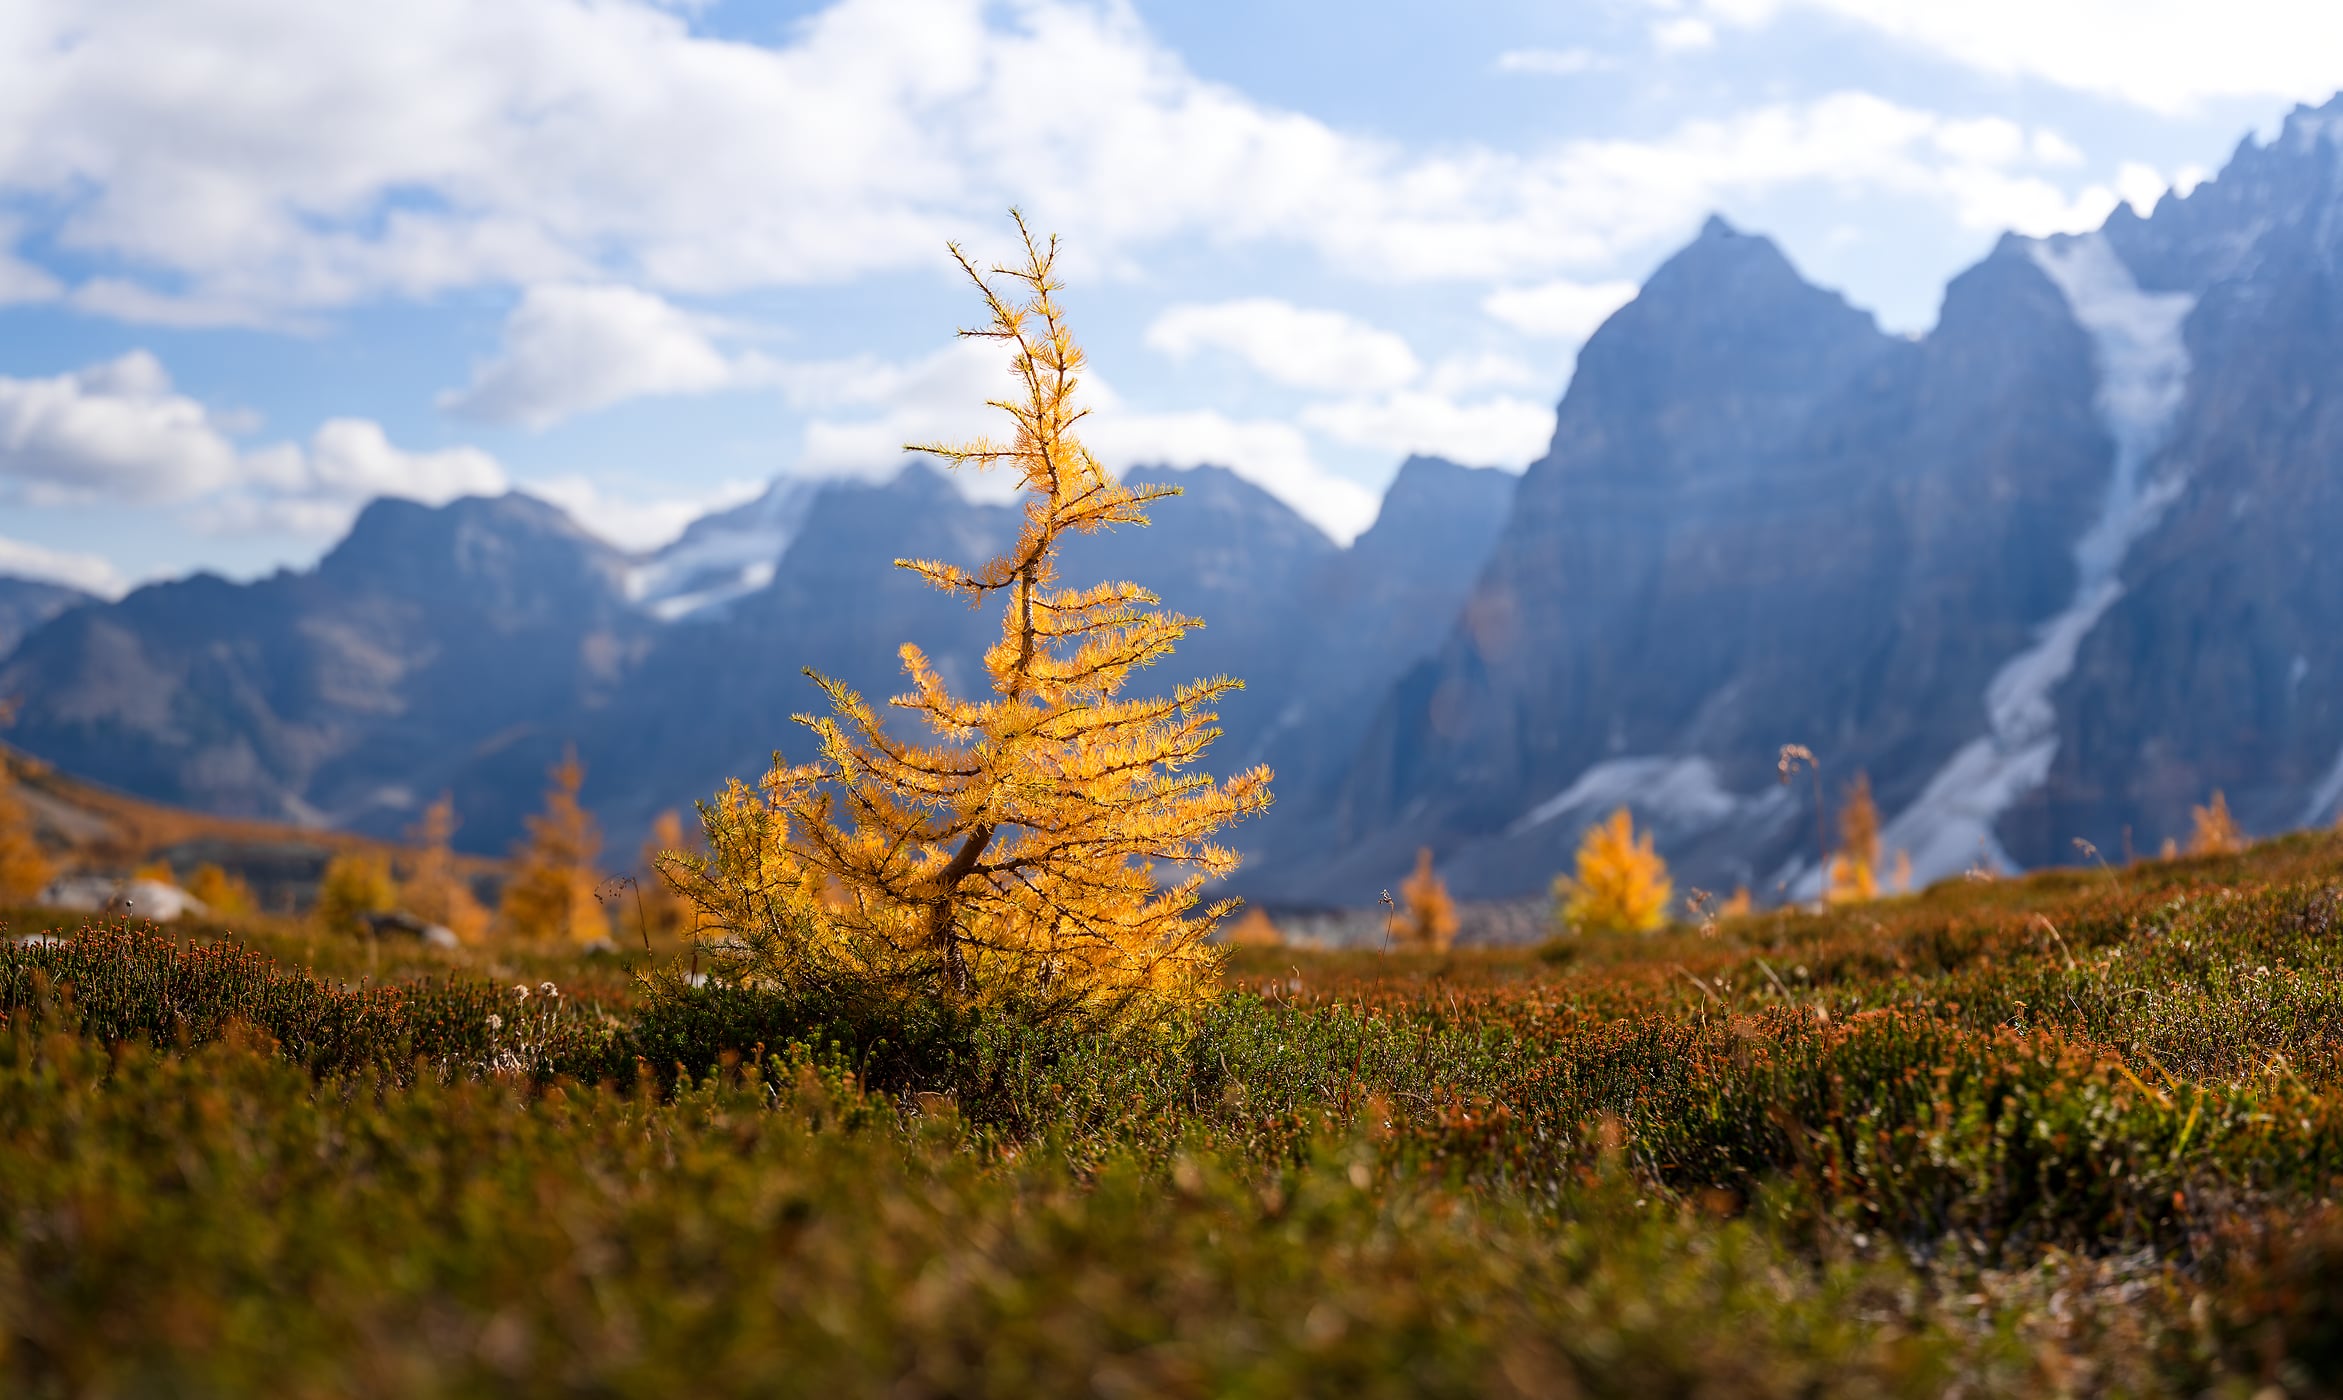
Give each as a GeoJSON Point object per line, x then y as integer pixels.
{"type": "Point", "coordinates": [688, 164]}
{"type": "Point", "coordinates": [1498, 431]}
{"type": "Point", "coordinates": [1559, 310]}
{"type": "Point", "coordinates": [862, 411]}
{"type": "Point", "coordinates": [113, 431]}
{"type": "Point", "coordinates": [2165, 55]}
{"type": "Point", "coordinates": [119, 432]}
{"type": "Point", "coordinates": [87, 572]}
{"type": "Point", "coordinates": [569, 349]}
{"type": "Point", "coordinates": [1291, 345]}
{"type": "Point", "coordinates": [1388, 399]}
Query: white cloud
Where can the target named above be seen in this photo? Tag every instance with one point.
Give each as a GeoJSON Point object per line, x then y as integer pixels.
{"type": "Point", "coordinates": [1558, 310]}
{"type": "Point", "coordinates": [118, 432]}
{"type": "Point", "coordinates": [1685, 32]}
{"type": "Point", "coordinates": [2166, 55]}
{"type": "Point", "coordinates": [113, 431]}
{"type": "Point", "coordinates": [1554, 63]}
{"type": "Point", "coordinates": [1464, 374]}
{"type": "Point", "coordinates": [1289, 344]}
{"type": "Point", "coordinates": [1272, 455]}
{"type": "Point", "coordinates": [566, 143]}
{"type": "Point", "coordinates": [87, 572]}
{"type": "Point", "coordinates": [862, 411]}
{"type": "Point", "coordinates": [570, 349]}
{"type": "Point", "coordinates": [352, 459]}
{"type": "Point", "coordinates": [633, 522]}
{"type": "Point", "coordinates": [1499, 431]}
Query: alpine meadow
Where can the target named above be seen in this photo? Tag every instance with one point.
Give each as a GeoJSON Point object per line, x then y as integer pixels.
{"type": "Point", "coordinates": [1522, 790]}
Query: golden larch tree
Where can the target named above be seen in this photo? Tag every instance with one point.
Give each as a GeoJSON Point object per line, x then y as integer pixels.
{"type": "Point", "coordinates": [1622, 885]}
{"type": "Point", "coordinates": [1854, 867]}
{"type": "Point", "coordinates": [550, 896]}
{"type": "Point", "coordinates": [25, 869]}
{"type": "Point", "coordinates": [2212, 831]}
{"type": "Point", "coordinates": [1018, 857]}
{"type": "Point", "coordinates": [1427, 916]}
{"type": "Point", "coordinates": [434, 889]}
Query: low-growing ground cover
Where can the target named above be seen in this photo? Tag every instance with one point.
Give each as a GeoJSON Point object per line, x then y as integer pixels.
{"type": "Point", "coordinates": [2077, 1133]}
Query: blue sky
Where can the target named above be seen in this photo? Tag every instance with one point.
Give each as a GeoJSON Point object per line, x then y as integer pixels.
{"type": "Point", "coordinates": [261, 260]}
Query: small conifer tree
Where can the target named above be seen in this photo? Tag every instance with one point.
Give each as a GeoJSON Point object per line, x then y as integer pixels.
{"type": "Point", "coordinates": [1012, 861]}
{"type": "Point", "coordinates": [434, 889]}
{"type": "Point", "coordinates": [1854, 867]}
{"type": "Point", "coordinates": [356, 884]}
{"type": "Point", "coordinates": [550, 897]}
{"type": "Point", "coordinates": [1427, 918]}
{"type": "Point", "coordinates": [1622, 885]}
{"type": "Point", "coordinates": [25, 869]}
{"type": "Point", "coordinates": [2213, 831]}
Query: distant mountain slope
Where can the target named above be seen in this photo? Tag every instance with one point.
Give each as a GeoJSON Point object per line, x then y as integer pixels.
{"type": "Point", "coordinates": [348, 695]}
{"type": "Point", "coordinates": [26, 604]}
{"type": "Point", "coordinates": [714, 700]}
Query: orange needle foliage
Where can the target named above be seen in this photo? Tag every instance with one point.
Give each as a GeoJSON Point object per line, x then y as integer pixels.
{"type": "Point", "coordinates": [1011, 861]}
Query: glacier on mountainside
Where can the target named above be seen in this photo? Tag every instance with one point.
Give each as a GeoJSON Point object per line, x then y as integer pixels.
{"type": "Point", "coordinates": [2143, 369]}
{"type": "Point", "coordinates": [723, 556]}
{"type": "Point", "coordinates": [1675, 796]}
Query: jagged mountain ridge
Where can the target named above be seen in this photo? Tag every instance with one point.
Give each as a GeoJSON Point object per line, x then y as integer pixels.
{"type": "Point", "coordinates": [27, 604]}
{"type": "Point", "coordinates": [463, 648]}
{"type": "Point", "coordinates": [2006, 570]}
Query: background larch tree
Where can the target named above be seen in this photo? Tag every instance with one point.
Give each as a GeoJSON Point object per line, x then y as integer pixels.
{"type": "Point", "coordinates": [434, 889]}
{"type": "Point", "coordinates": [1622, 885]}
{"type": "Point", "coordinates": [1854, 868]}
{"type": "Point", "coordinates": [25, 868]}
{"type": "Point", "coordinates": [1427, 915]}
{"type": "Point", "coordinates": [1012, 861]}
{"type": "Point", "coordinates": [550, 896]}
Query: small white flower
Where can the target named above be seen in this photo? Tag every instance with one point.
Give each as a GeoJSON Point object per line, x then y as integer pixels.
{"type": "Point", "coordinates": [549, 989]}
{"type": "Point", "coordinates": [495, 1022]}
{"type": "Point", "coordinates": [521, 992]}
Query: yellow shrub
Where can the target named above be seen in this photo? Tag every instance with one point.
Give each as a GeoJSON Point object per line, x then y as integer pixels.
{"type": "Point", "coordinates": [356, 884]}
{"type": "Point", "coordinates": [1622, 885]}
{"type": "Point", "coordinates": [225, 895]}
{"type": "Point", "coordinates": [1255, 930]}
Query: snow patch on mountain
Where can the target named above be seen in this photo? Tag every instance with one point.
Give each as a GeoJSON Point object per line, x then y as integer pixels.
{"type": "Point", "coordinates": [723, 556]}
{"type": "Point", "coordinates": [2143, 378]}
{"type": "Point", "coordinates": [1675, 795]}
